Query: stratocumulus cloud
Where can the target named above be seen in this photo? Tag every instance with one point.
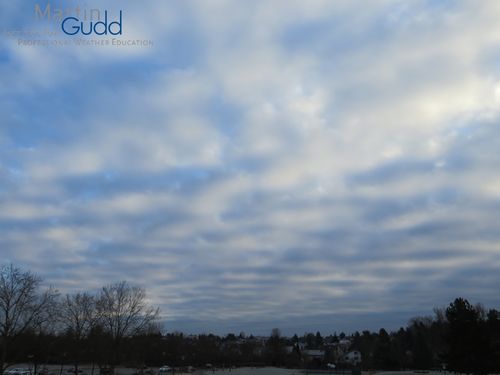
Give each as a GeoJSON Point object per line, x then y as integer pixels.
{"type": "Point", "coordinates": [309, 165]}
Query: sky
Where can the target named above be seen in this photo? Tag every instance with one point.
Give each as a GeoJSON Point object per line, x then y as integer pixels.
{"type": "Point", "coordinates": [307, 165]}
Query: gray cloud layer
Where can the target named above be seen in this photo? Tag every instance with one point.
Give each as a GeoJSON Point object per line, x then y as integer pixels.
{"type": "Point", "coordinates": [309, 165]}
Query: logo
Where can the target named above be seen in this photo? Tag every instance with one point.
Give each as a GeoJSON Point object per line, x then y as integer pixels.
{"type": "Point", "coordinates": [86, 26]}
{"type": "Point", "coordinates": [73, 26]}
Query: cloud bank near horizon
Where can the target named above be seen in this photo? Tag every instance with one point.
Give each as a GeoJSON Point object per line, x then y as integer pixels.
{"type": "Point", "coordinates": [265, 162]}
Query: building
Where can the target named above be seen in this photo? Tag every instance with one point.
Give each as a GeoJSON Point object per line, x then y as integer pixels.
{"type": "Point", "coordinates": [353, 358]}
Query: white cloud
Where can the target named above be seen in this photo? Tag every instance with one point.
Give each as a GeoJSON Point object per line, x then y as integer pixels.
{"type": "Point", "coordinates": [266, 169]}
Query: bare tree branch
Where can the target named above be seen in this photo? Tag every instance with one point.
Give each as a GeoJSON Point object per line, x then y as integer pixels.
{"type": "Point", "coordinates": [22, 306]}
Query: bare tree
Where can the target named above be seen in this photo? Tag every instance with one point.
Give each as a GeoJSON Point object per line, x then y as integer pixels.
{"type": "Point", "coordinates": [123, 311]}
{"type": "Point", "coordinates": [78, 317]}
{"type": "Point", "coordinates": [78, 314]}
{"type": "Point", "coordinates": [23, 307]}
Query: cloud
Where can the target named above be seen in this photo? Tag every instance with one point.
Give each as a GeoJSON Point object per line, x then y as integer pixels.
{"type": "Point", "coordinates": [291, 165]}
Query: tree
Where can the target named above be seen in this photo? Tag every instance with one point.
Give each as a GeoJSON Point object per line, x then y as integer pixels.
{"type": "Point", "coordinates": [422, 353]}
{"type": "Point", "coordinates": [382, 350]}
{"type": "Point", "coordinates": [276, 347]}
{"type": "Point", "coordinates": [318, 340]}
{"type": "Point", "coordinates": [122, 311]}
{"type": "Point", "coordinates": [23, 307]}
{"type": "Point", "coordinates": [78, 316]}
{"type": "Point", "coordinates": [493, 327]}
{"type": "Point", "coordinates": [468, 347]}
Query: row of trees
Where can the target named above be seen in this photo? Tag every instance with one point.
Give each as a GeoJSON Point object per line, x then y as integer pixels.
{"type": "Point", "coordinates": [117, 326]}
{"type": "Point", "coordinates": [462, 338]}
{"type": "Point", "coordinates": [30, 315]}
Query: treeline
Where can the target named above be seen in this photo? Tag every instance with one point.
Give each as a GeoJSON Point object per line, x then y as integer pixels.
{"type": "Point", "coordinates": [116, 326]}
{"type": "Point", "coordinates": [41, 326]}
{"type": "Point", "coordinates": [461, 338]}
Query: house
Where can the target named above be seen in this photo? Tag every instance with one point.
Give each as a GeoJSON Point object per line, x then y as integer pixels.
{"type": "Point", "coordinates": [353, 358]}
{"type": "Point", "coordinates": [314, 353]}
{"type": "Point", "coordinates": [313, 357]}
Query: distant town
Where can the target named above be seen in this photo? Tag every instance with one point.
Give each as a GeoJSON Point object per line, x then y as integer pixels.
{"type": "Point", "coordinates": [116, 327]}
